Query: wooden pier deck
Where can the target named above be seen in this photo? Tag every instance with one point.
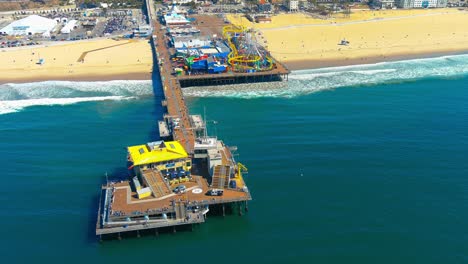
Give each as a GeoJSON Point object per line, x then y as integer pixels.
{"type": "Point", "coordinates": [175, 103]}
{"type": "Point", "coordinates": [119, 208]}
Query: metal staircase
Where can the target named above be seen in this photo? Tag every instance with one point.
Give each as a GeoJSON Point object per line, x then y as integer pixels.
{"type": "Point", "coordinates": [220, 177]}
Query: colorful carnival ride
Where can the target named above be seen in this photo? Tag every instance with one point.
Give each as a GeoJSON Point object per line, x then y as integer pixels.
{"type": "Point", "coordinates": [246, 55]}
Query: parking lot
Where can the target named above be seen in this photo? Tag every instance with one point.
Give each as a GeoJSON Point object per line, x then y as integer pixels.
{"type": "Point", "coordinates": [91, 24]}
{"type": "Point", "coordinates": [5, 43]}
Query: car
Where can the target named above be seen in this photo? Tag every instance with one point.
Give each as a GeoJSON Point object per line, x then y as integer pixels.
{"type": "Point", "coordinates": [215, 192]}
{"type": "Point", "coordinates": [180, 189]}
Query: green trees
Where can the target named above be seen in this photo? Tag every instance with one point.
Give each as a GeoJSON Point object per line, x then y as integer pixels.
{"type": "Point", "coordinates": [192, 5]}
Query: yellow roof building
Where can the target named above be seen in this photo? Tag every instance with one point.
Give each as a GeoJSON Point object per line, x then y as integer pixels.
{"type": "Point", "coordinates": [154, 152]}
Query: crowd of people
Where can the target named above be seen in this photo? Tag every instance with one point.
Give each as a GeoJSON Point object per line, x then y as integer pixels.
{"type": "Point", "coordinates": [114, 24]}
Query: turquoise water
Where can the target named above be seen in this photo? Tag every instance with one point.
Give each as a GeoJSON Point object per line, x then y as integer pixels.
{"type": "Point", "coordinates": [339, 172]}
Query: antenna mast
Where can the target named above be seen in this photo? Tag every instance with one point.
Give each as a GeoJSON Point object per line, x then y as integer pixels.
{"type": "Point", "coordinates": [206, 127]}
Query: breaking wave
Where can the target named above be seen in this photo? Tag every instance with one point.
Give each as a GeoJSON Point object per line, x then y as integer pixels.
{"type": "Point", "coordinates": [16, 105]}
{"type": "Point", "coordinates": [309, 81]}
{"type": "Point", "coordinates": [15, 97]}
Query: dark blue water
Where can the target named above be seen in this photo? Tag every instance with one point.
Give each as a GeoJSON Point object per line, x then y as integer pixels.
{"type": "Point", "coordinates": [365, 174]}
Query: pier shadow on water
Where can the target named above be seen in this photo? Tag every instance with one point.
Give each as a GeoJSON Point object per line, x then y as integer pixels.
{"type": "Point", "coordinates": [93, 208]}
{"type": "Point", "coordinates": [148, 233]}
{"type": "Point", "coordinates": [158, 94]}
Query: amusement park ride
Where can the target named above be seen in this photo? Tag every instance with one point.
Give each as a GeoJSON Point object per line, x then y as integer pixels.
{"type": "Point", "coordinates": [246, 55]}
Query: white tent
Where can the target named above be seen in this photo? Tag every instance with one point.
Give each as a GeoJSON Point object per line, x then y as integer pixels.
{"type": "Point", "coordinates": [69, 26]}
{"type": "Point", "coordinates": [175, 18]}
{"type": "Point", "coordinates": [30, 25]}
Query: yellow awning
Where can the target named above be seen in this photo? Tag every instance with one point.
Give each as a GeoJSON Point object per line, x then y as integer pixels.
{"type": "Point", "coordinates": [154, 152]}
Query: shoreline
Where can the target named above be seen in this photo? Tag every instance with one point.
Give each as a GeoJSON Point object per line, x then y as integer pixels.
{"type": "Point", "coordinates": [295, 65]}
{"type": "Point", "coordinates": [93, 60]}
{"type": "Point", "coordinates": [302, 42]}
{"type": "Point", "coordinates": [291, 65]}
{"type": "Point", "coordinates": [88, 78]}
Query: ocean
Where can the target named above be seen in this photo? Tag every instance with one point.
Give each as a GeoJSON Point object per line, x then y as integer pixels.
{"type": "Point", "coordinates": [361, 164]}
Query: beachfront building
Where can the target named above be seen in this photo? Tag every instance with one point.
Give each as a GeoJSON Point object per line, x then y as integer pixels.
{"type": "Point", "coordinates": [265, 8]}
{"type": "Point", "coordinates": [142, 31]}
{"type": "Point", "coordinates": [69, 27]}
{"type": "Point", "coordinates": [293, 5]}
{"type": "Point", "coordinates": [30, 25]}
{"type": "Point", "coordinates": [422, 3]}
{"type": "Point", "coordinates": [262, 19]}
{"type": "Point", "coordinates": [159, 160]}
{"type": "Point", "coordinates": [175, 18]}
{"type": "Point", "coordinates": [161, 155]}
{"type": "Point", "coordinates": [190, 42]}
{"type": "Point", "coordinates": [387, 4]}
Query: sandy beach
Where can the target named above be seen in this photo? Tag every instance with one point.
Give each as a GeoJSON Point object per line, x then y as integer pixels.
{"type": "Point", "coordinates": [303, 42]}
{"type": "Point", "coordinates": [300, 41]}
{"type": "Point", "coordinates": [103, 59]}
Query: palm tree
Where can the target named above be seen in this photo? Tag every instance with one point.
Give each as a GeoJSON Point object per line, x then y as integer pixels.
{"type": "Point", "coordinates": [322, 10]}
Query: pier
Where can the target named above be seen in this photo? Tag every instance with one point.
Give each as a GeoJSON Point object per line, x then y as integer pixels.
{"type": "Point", "coordinates": [179, 189]}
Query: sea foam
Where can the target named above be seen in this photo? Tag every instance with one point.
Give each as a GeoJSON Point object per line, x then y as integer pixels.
{"type": "Point", "coordinates": [308, 81]}
{"type": "Point", "coordinates": [15, 97]}
{"type": "Point", "coordinates": [12, 106]}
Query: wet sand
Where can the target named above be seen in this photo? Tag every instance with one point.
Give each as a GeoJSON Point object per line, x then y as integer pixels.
{"type": "Point", "coordinates": [316, 64]}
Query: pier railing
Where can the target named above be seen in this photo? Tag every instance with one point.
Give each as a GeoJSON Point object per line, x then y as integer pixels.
{"type": "Point", "coordinates": [145, 225]}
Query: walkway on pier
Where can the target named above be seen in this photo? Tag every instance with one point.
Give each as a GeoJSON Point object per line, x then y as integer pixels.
{"type": "Point", "coordinates": [192, 218]}
{"type": "Point", "coordinates": [120, 210]}
{"type": "Point", "coordinates": [176, 107]}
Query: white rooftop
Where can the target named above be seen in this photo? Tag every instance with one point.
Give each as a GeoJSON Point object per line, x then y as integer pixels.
{"type": "Point", "coordinates": [69, 26]}
{"type": "Point", "coordinates": [30, 25]}
{"type": "Point", "coordinates": [174, 17]}
{"type": "Point", "coordinates": [175, 9]}
{"type": "Point", "coordinates": [206, 143]}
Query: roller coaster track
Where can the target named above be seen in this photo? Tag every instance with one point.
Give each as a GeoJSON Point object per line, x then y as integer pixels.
{"type": "Point", "coordinates": [237, 60]}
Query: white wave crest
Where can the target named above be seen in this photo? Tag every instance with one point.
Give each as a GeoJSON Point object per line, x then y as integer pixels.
{"type": "Point", "coordinates": [297, 75]}
{"type": "Point", "coordinates": [371, 72]}
{"type": "Point", "coordinates": [17, 105]}
{"type": "Point", "coordinates": [65, 89]}
{"type": "Point", "coordinates": [309, 81]}
{"type": "Point", "coordinates": [252, 90]}
{"type": "Point", "coordinates": [14, 97]}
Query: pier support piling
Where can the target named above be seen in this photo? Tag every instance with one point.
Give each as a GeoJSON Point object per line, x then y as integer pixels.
{"type": "Point", "coordinates": [174, 230]}
{"type": "Point", "coordinates": [118, 236]}
{"type": "Point", "coordinates": [246, 206]}
{"type": "Point", "coordinates": [138, 233]}
{"type": "Point", "coordinates": [224, 214]}
{"type": "Point", "coordinates": [156, 232]}
{"type": "Point", "coordinates": [240, 208]}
